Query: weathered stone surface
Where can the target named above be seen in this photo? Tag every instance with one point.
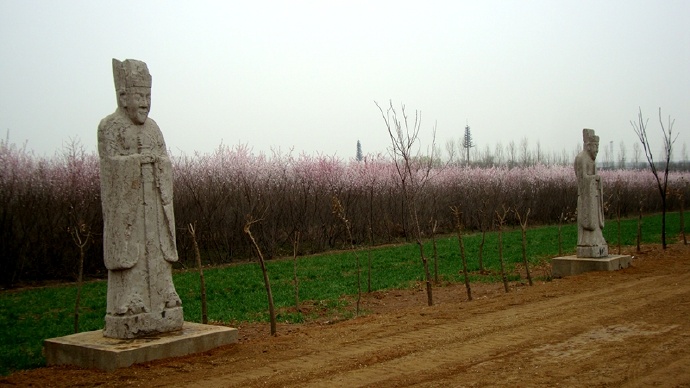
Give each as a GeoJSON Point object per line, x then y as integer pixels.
{"type": "Point", "coordinates": [596, 251]}
{"type": "Point", "coordinates": [139, 223]}
{"type": "Point", "coordinates": [92, 350]}
{"type": "Point", "coordinates": [573, 265]}
{"type": "Point", "coordinates": [143, 324]}
{"type": "Point", "coordinates": [590, 200]}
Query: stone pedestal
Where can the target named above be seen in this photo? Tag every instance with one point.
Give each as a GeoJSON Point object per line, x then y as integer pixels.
{"type": "Point", "coordinates": [573, 265]}
{"type": "Point", "coordinates": [143, 324]}
{"type": "Point", "coordinates": [92, 350]}
{"type": "Point", "coordinates": [596, 251]}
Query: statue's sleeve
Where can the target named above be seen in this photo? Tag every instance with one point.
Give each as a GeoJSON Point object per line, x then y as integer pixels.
{"type": "Point", "coordinates": [164, 177]}
{"type": "Point", "coordinates": [121, 197]}
{"type": "Point", "coordinates": [600, 204]}
{"type": "Point", "coordinates": [590, 203]}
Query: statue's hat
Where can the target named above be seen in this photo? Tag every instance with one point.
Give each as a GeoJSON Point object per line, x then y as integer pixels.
{"type": "Point", "coordinates": [130, 73]}
{"type": "Point", "coordinates": [589, 136]}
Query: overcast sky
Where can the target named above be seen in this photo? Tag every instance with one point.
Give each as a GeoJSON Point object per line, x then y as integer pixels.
{"type": "Point", "coordinates": [304, 75]}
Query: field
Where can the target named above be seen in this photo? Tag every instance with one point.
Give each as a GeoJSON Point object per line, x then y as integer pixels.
{"type": "Point", "coordinates": [624, 328]}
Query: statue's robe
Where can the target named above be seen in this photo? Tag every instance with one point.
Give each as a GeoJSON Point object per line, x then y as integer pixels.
{"type": "Point", "coordinates": [590, 205]}
{"type": "Point", "coordinates": [139, 228]}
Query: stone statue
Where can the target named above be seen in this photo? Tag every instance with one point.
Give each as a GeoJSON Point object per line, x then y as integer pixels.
{"type": "Point", "coordinates": [590, 200]}
{"type": "Point", "coordinates": [139, 224]}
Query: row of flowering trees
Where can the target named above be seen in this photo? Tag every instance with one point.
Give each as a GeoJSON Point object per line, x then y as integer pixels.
{"type": "Point", "coordinates": [43, 201]}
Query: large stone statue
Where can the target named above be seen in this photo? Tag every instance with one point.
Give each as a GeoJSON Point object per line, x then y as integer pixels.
{"type": "Point", "coordinates": [139, 224]}
{"type": "Point", "coordinates": [590, 200]}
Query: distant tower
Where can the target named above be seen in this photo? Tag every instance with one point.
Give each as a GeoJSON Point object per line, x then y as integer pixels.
{"type": "Point", "coordinates": [359, 151]}
{"type": "Point", "coordinates": [467, 143]}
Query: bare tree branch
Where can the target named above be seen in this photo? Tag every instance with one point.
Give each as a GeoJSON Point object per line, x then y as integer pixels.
{"type": "Point", "coordinates": [640, 128]}
{"type": "Point", "coordinates": [413, 170]}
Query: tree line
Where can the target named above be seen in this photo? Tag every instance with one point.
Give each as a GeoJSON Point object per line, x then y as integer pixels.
{"type": "Point", "coordinates": [612, 155]}
{"type": "Point", "coordinates": [45, 201]}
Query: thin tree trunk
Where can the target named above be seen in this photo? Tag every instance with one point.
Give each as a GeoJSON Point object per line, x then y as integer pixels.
{"type": "Point", "coordinates": [618, 221]}
{"type": "Point", "coordinates": [371, 236]}
{"type": "Point", "coordinates": [663, 222]}
{"type": "Point", "coordinates": [267, 282]}
{"type": "Point", "coordinates": [359, 282]}
{"type": "Point", "coordinates": [339, 211]}
{"type": "Point", "coordinates": [501, 219]}
{"type": "Point", "coordinates": [457, 214]}
{"type": "Point", "coordinates": [371, 246]}
{"type": "Point", "coordinates": [197, 253]}
{"type": "Point", "coordinates": [404, 218]}
{"type": "Point", "coordinates": [524, 256]}
{"type": "Point", "coordinates": [560, 235]}
{"type": "Point", "coordinates": [481, 252]}
{"type": "Point", "coordinates": [425, 262]}
{"type": "Point", "coordinates": [427, 275]}
{"type": "Point", "coordinates": [639, 228]}
{"type": "Point", "coordinates": [433, 241]}
{"type": "Point", "coordinates": [80, 278]}
{"type": "Point", "coordinates": [81, 244]}
{"type": "Point", "coordinates": [294, 269]}
{"type": "Point", "coordinates": [523, 227]}
{"type": "Point", "coordinates": [681, 197]}
{"type": "Point", "coordinates": [500, 256]}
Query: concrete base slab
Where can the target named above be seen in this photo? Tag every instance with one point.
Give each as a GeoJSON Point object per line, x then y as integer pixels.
{"type": "Point", "coordinates": [573, 265]}
{"type": "Point", "coordinates": [92, 350]}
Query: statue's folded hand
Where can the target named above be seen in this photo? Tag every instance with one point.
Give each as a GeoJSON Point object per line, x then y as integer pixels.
{"type": "Point", "coordinates": [147, 158]}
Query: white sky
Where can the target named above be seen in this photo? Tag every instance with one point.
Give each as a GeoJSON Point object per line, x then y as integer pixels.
{"type": "Point", "coordinates": [305, 74]}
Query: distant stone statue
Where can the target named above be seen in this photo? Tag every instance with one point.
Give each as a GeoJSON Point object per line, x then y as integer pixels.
{"type": "Point", "coordinates": [139, 224]}
{"type": "Point", "coordinates": [590, 200]}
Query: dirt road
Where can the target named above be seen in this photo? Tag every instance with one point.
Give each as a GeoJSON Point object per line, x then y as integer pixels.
{"type": "Point", "coordinates": [623, 328]}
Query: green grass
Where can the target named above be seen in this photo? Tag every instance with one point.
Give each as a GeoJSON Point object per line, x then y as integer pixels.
{"type": "Point", "coordinates": [236, 293]}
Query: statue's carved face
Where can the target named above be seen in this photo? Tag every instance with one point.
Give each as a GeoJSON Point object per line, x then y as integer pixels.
{"type": "Point", "coordinates": [137, 102]}
{"type": "Point", "coordinates": [593, 149]}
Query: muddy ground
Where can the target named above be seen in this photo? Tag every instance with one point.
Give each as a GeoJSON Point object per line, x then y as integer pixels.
{"type": "Point", "coordinates": [623, 328]}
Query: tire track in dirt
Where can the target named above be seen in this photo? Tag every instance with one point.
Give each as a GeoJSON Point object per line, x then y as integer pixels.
{"type": "Point", "coordinates": [453, 357]}
{"type": "Point", "coordinates": [606, 353]}
{"type": "Point", "coordinates": [466, 337]}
